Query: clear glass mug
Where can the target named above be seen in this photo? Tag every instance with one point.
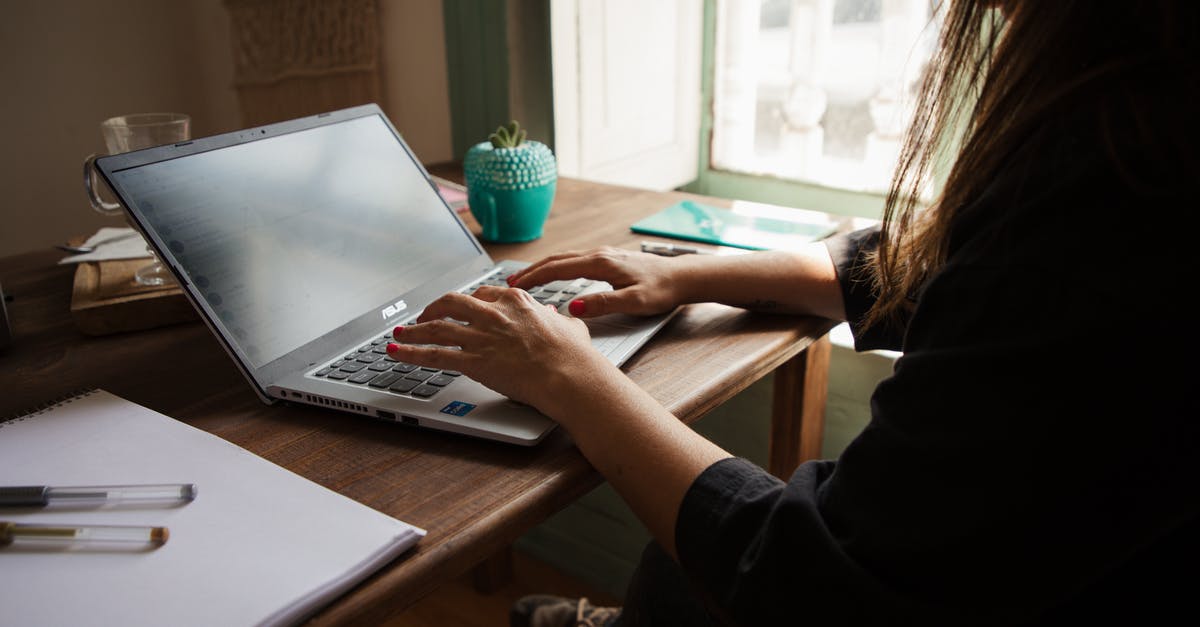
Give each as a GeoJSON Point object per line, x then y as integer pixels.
{"type": "Point", "coordinates": [125, 133]}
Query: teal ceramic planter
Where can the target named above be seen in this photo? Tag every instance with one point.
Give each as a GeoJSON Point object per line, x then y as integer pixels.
{"type": "Point", "coordinates": [510, 190]}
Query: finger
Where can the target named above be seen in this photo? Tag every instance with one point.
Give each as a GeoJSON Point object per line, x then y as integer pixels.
{"type": "Point", "coordinates": [489, 293]}
{"type": "Point", "coordinates": [629, 301]}
{"type": "Point", "coordinates": [590, 306]}
{"type": "Point", "coordinates": [454, 305]}
{"type": "Point", "coordinates": [506, 295]}
{"type": "Point", "coordinates": [430, 356]}
{"type": "Point", "coordinates": [515, 277]}
{"type": "Point", "coordinates": [520, 277]}
{"type": "Point", "coordinates": [566, 269]}
{"type": "Point", "coordinates": [439, 332]}
{"type": "Point", "coordinates": [548, 258]}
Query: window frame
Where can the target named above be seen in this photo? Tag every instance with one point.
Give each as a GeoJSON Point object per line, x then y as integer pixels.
{"type": "Point", "coordinates": [712, 181]}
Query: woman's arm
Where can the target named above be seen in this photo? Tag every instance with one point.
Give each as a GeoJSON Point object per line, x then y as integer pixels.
{"type": "Point", "coordinates": [648, 455]}
{"type": "Point", "coordinates": [803, 281]}
{"type": "Point", "coordinates": [644, 451]}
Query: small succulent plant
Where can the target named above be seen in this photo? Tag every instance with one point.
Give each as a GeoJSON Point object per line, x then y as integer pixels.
{"type": "Point", "coordinates": [509, 136]}
{"type": "Point", "coordinates": [510, 184]}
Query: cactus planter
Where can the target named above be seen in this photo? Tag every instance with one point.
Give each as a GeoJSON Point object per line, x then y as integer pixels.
{"type": "Point", "coordinates": [510, 185]}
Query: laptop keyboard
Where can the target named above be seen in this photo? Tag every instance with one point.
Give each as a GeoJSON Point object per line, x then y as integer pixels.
{"type": "Point", "coordinates": [369, 365]}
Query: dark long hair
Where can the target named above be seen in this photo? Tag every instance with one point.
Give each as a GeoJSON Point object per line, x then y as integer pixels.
{"type": "Point", "coordinates": [1004, 67]}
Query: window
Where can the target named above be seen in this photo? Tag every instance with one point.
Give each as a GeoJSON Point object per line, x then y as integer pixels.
{"type": "Point", "coordinates": [818, 91]}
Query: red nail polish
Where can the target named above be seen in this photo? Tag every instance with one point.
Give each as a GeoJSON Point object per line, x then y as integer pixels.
{"type": "Point", "coordinates": [577, 307]}
{"type": "Point", "coordinates": [511, 280]}
{"type": "Point", "coordinates": [391, 348]}
{"type": "Point", "coordinates": [396, 332]}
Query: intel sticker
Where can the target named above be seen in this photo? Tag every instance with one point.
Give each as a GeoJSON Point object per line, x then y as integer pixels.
{"type": "Point", "coordinates": [458, 408]}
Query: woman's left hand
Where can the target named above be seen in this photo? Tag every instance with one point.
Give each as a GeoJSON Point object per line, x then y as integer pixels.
{"type": "Point", "coordinates": [509, 342]}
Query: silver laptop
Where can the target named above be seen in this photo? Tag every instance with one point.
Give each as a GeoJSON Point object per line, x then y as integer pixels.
{"type": "Point", "coordinates": [302, 244]}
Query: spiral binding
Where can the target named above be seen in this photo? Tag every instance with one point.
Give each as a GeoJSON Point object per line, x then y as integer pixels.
{"type": "Point", "coordinates": [51, 405]}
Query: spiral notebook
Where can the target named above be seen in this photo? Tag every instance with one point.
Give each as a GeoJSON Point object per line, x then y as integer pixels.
{"type": "Point", "coordinates": [259, 545]}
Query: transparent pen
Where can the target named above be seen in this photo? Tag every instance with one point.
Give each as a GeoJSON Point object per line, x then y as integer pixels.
{"type": "Point", "coordinates": [123, 535]}
{"type": "Point", "coordinates": [40, 495]}
{"type": "Point", "coordinates": [671, 250]}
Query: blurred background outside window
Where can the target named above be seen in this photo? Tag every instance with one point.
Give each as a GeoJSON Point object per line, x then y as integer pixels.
{"type": "Point", "coordinates": [818, 91]}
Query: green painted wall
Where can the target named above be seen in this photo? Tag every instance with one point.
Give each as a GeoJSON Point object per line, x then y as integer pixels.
{"type": "Point", "coordinates": [477, 68]}
{"type": "Point", "coordinates": [498, 66]}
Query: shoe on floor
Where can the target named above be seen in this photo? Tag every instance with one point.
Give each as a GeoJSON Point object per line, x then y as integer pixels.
{"type": "Point", "coordinates": [543, 610]}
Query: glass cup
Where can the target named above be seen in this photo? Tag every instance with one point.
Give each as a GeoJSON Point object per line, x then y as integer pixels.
{"type": "Point", "coordinates": [125, 133]}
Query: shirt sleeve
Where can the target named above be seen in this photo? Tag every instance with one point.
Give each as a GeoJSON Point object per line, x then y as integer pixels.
{"type": "Point", "coordinates": [740, 533]}
{"type": "Point", "coordinates": [849, 253]}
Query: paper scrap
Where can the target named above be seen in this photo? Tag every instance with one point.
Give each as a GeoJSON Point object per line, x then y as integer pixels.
{"type": "Point", "coordinates": [112, 243]}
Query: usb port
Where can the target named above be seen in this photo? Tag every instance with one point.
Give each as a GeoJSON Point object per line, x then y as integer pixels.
{"type": "Point", "coordinates": [387, 415]}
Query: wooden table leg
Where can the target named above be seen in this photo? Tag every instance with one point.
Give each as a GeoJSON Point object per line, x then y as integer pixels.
{"type": "Point", "coordinates": [493, 573]}
{"type": "Point", "coordinates": [798, 409]}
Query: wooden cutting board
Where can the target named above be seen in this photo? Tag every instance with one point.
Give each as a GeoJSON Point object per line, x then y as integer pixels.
{"type": "Point", "coordinates": [106, 299]}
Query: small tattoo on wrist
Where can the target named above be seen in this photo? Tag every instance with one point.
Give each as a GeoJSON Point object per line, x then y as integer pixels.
{"type": "Point", "coordinates": [762, 305]}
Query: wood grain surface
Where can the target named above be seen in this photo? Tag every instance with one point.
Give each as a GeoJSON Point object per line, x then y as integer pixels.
{"type": "Point", "coordinates": [106, 298]}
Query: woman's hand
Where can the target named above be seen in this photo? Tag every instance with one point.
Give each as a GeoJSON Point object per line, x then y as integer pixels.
{"type": "Point", "coordinates": [535, 355]}
{"type": "Point", "coordinates": [643, 284]}
{"type": "Point", "coordinates": [512, 344]}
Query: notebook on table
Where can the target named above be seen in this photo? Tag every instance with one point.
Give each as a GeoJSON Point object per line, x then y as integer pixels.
{"type": "Point", "coordinates": [749, 225]}
{"type": "Point", "coordinates": [302, 244]}
{"type": "Point", "coordinates": [257, 545]}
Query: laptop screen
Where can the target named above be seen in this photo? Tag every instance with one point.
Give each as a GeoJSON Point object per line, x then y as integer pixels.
{"type": "Point", "coordinates": [294, 235]}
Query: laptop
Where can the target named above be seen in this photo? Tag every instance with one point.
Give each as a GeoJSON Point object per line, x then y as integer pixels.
{"type": "Point", "coordinates": [303, 243]}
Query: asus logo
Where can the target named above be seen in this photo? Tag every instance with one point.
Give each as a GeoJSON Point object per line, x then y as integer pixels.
{"type": "Point", "coordinates": [392, 310]}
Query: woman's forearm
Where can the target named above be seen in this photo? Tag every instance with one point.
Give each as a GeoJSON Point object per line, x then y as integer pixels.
{"type": "Point", "coordinates": [772, 281]}
{"type": "Point", "coordinates": [649, 457]}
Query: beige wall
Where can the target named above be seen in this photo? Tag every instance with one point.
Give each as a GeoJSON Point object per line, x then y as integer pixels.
{"type": "Point", "coordinates": [416, 87]}
{"type": "Point", "coordinates": [66, 65]}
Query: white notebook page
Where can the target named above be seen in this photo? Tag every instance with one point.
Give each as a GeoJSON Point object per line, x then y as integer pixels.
{"type": "Point", "coordinates": [259, 545]}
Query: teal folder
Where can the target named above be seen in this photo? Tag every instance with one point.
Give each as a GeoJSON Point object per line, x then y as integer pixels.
{"type": "Point", "coordinates": [696, 222]}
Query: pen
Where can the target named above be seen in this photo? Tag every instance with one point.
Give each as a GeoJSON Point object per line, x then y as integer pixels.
{"type": "Point", "coordinates": [11, 532]}
{"type": "Point", "coordinates": [41, 495]}
{"type": "Point", "coordinates": [671, 250]}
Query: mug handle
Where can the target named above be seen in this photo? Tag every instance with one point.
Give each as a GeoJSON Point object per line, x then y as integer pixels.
{"type": "Point", "coordinates": [89, 184]}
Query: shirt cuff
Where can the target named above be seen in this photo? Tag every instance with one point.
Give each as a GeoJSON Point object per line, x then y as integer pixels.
{"type": "Point", "coordinates": [706, 504]}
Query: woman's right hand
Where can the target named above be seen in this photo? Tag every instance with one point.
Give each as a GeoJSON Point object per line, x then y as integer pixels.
{"type": "Point", "coordinates": [643, 284]}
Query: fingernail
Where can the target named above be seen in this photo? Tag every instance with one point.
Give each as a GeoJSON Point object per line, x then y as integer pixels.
{"type": "Point", "coordinates": [391, 348]}
{"type": "Point", "coordinates": [577, 307]}
{"type": "Point", "coordinates": [511, 280]}
{"type": "Point", "coordinates": [396, 332]}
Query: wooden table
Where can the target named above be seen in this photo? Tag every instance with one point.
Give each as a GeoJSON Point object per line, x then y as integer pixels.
{"type": "Point", "coordinates": [473, 496]}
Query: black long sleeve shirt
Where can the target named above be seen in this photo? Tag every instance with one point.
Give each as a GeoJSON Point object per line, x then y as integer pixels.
{"type": "Point", "coordinates": [1035, 455]}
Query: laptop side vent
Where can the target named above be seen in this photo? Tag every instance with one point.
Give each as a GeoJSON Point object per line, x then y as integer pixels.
{"type": "Point", "coordinates": [332, 402]}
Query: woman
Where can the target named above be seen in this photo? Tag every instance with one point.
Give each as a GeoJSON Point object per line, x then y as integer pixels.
{"type": "Point", "coordinates": [1036, 454]}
